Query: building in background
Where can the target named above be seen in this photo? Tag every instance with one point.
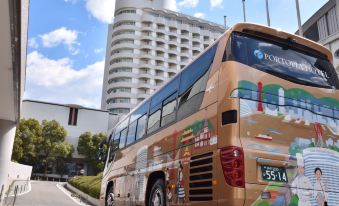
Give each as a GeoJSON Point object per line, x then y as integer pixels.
{"type": "Point", "coordinates": [146, 45]}
{"type": "Point", "coordinates": [76, 120]}
{"type": "Point", "coordinates": [323, 27]}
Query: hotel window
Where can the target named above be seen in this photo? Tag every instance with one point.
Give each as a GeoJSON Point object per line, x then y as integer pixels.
{"type": "Point", "coordinates": [73, 116]}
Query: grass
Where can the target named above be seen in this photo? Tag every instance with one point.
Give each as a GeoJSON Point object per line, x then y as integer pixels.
{"type": "Point", "coordinates": [88, 184]}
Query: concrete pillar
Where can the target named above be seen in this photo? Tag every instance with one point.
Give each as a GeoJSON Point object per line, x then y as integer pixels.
{"type": "Point", "coordinates": [337, 5]}
{"type": "Point", "coordinates": [7, 133]}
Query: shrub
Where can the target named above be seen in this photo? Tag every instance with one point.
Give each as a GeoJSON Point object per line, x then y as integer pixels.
{"type": "Point", "coordinates": [88, 184]}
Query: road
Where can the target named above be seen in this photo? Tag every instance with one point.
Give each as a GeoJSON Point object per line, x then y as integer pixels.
{"type": "Point", "coordinates": [44, 194]}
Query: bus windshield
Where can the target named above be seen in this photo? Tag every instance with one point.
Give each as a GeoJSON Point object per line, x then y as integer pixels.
{"type": "Point", "coordinates": [284, 61]}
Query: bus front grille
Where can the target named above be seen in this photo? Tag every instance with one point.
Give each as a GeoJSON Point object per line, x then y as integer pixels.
{"type": "Point", "coordinates": [200, 184]}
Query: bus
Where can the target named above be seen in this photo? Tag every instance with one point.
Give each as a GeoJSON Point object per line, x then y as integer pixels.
{"type": "Point", "coordinates": [253, 120]}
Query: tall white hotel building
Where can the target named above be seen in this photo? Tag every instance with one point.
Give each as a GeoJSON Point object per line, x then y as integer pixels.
{"type": "Point", "coordinates": [146, 45]}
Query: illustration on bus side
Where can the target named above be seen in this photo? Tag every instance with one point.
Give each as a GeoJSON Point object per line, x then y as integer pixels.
{"type": "Point", "coordinates": [311, 147]}
{"type": "Point", "coordinates": [197, 135]}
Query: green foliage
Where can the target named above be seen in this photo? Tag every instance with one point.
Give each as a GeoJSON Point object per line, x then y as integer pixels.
{"type": "Point", "coordinates": [38, 144]}
{"type": "Point", "coordinates": [53, 145]}
{"type": "Point", "coordinates": [28, 137]}
{"type": "Point", "coordinates": [293, 150]}
{"type": "Point", "coordinates": [88, 184]}
{"type": "Point", "coordinates": [262, 203]}
{"type": "Point", "coordinates": [88, 145]}
{"type": "Point", "coordinates": [294, 200]}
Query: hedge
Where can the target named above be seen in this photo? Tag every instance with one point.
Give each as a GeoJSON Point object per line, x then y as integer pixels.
{"type": "Point", "coordinates": [88, 184]}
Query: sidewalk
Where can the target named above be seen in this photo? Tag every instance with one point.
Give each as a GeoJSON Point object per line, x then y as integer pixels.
{"type": "Point", "coordinates": [17, 188]}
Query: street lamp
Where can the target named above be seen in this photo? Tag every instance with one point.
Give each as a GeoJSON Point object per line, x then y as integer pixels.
{"type": "Point", "coordinates": [298, 15]}
{"type": "Point", "coordinates": [268, 14]}
{"type": "Point", "coordinates": [244, 10]}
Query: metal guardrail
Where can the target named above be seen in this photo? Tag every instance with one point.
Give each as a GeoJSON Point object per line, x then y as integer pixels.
{"type": "Point", "coordinates": [15, 188]}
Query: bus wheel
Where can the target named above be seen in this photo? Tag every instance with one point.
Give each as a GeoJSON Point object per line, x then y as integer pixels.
{"type": "Point", "coordinates": [110, 197]}
{"type": "Point", "coordinates": [157, 195]}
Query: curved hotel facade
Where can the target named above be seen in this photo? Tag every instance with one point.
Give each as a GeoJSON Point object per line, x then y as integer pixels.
{"type": "Point", "coordinates": [146, 45]}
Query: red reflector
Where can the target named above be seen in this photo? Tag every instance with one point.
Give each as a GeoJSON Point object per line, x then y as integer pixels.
{"type": "Point", "coordinates": [232, 162]}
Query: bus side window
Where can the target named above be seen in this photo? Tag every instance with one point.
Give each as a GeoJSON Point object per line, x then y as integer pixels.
{"type": "Point", "coordinates": [123, 134]}
{"type": "Point", "coordinates": [114, 145]}
{"type": "Point", "coordinates": [154, 119]}
{"type": "Point", "coordinates": [193, 83]}
{"type": "Point", "coordinates": [190, 101]}
{"type": "Point", "coordinates": [141, 129]}
{"type": "Point", "coordinates": [228, 56]}
{"type": "Point", "coordinates": [169, 109]}
{"type": "Point", "coordinates": [131, 132]}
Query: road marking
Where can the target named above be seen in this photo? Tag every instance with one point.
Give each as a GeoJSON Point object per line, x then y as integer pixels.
{"type": "Point", "coordinates": [68, 194]}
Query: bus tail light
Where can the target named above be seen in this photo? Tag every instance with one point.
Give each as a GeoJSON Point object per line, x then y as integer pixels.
{"type": "Point", "coordinates": [233, 166]}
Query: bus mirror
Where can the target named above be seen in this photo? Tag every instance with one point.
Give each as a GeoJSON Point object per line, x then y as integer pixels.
{"type": "Point", "coordinates": [101, 154]}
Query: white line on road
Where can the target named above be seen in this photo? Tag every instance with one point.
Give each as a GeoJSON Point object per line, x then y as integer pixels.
{"type": "Point", "coordinates": [68, 194]}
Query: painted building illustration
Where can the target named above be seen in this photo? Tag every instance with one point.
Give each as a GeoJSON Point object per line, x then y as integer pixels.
{"type": "Point", "coordinates": [203, 138]}
{"type": "Point", "coordinates": [293, 104]}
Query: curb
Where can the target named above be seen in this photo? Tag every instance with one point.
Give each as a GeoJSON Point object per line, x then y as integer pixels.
{"type": "Point", "coordinates": [83, 195]}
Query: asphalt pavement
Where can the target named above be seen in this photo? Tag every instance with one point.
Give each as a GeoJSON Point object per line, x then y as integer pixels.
{"type": "Point", "coordinates": [45, 193]}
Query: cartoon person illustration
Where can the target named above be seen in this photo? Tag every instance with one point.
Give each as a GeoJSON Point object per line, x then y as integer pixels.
{"type": "Point", "coordinates": [320, 188]}
{"type": "Point", "coordinates": [168, 191]}
{"type": "Point", "coordinates": [301, 185]}
{"type": "Point", "coordinates": [180, 184]}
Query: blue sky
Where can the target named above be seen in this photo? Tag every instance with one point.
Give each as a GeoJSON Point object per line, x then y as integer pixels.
{"type": "Point", "coordinates": [67, 40]}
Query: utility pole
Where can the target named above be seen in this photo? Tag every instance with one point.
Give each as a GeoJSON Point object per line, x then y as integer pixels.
{"type": "Point", "coordinates": [268, 14]}
{"type": "Point", "coordinates": [244, 10]}
{"type": "Point", "coordinates": [225, 22]}
{"type": "Point", "coordinates": [299, 20]}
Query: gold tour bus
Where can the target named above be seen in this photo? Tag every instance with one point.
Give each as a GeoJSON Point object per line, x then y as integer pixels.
{"type": "Point", "coordinates": [254, 120]}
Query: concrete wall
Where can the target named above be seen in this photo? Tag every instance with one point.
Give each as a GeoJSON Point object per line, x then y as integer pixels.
{"type": "Point", "coordinates": [19, 172]}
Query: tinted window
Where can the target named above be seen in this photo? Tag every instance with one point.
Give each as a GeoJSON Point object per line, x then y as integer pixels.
{"type": "Point", "coordinates": [168, 109]}
{"type": "Point", "coordinates": [284, 61]}
{"type": "Point", "coordinates": [116, 138]}
{"type": "Point", "coordinates": [198, 68]}
{"type": "Point", "coordinates": [141, 126]}
{"type": "Point", "coordinates": [169, 89]}
{"type": "Point", "coordinates": [190, 101]}
{"type": "Point", "coordinates": [123, 134]}
{"type": "Point", "coordinates": [154, 120]}
{"type": "Point", "coordinates": [141, 110]}
{"type": "Point", "coordinates": [131, 133]}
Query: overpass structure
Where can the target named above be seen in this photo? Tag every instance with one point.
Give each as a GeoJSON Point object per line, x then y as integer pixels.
{"type": "Point", "coordinates": [13, 41]}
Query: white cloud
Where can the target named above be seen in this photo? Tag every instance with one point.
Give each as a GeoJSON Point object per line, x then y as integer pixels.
{"type": "Point", "coordinates": [57, 81]}
{"type": "Point", "coordinates": [71, 1]}
{"type": "Point", "coordinates": [199, 15]}
{"type": "Point", "coordinates": [103, 10]}
{"type": "Point", "coordinates": [188, 3]}
{"type": "Point", "coordinates": [98, 50]}
{"type": "Point", "coordinates": [62, 35]}
{"type": "Point", "coordinates": [173, 5]}
{"type": "Point", "coordinates": [216, 3]}
{"type": "Point", "coordinates": [32, 42]}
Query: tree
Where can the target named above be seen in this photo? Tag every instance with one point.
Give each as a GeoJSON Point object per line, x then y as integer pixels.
{"type": "Point", "coordinates": [28, 137]}
{"type": "Point", "coordinates": [88, 146]}
{"type": "Point", "coordinates": [54, 147]}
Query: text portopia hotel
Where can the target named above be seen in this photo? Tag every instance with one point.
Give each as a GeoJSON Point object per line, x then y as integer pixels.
{"type": "Point", "coordinates": [147, 44]}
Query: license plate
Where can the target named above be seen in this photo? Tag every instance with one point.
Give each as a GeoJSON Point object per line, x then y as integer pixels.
{"type": "Point", "coordinates": [276, 174]}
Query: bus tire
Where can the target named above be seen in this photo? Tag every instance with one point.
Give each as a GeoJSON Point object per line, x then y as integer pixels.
{"type": "Point", "coordinates": [109, 201]}
{"type": "Point", "coordinates": [157, 194]}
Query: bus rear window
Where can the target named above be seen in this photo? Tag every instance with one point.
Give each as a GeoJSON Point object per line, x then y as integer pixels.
{"type": "Point", "coordinates": [283, 61]}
